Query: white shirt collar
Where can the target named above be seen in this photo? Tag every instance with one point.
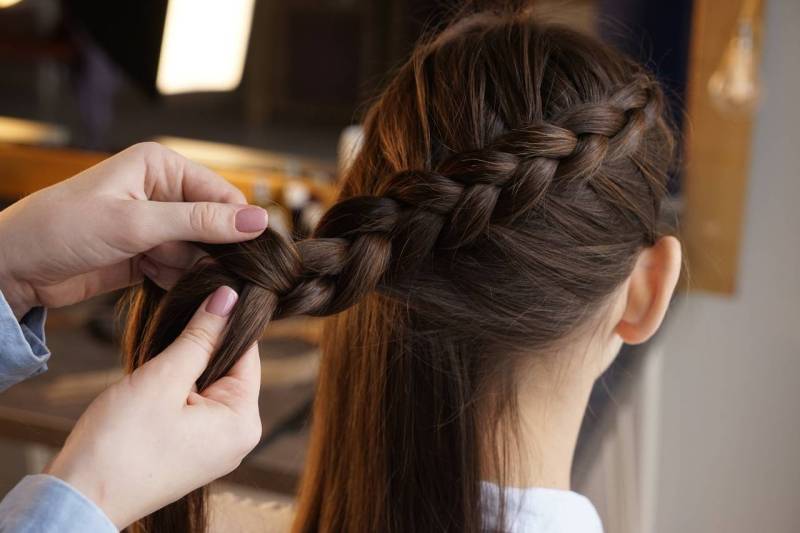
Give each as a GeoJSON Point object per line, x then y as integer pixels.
{"type": "Point", "coordinates": [539, 510]}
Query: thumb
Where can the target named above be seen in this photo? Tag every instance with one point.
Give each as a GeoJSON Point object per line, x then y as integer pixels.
{"type": "Point", "coordinates": [203, 222]}
{"type": "Point", "coordinates": [188, 356]}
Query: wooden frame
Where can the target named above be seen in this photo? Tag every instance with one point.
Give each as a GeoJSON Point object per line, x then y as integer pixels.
{"type": "Point", "coordinates": [717, 159]}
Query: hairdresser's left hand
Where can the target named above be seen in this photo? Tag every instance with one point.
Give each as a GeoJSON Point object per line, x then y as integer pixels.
{"type": "Point", "coordinates": [107, 226]}
{"type": "Point", "coordinates": [150, 438]}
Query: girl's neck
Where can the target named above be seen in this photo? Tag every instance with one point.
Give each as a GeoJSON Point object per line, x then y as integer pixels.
{"type": "Point", "coordinates": [551, 406]}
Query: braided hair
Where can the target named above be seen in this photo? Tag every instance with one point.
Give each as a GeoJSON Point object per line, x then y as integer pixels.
{"type": "Point", "coordinates": [510, 174]}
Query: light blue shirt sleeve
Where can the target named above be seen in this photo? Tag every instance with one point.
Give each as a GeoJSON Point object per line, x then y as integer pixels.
{"type": "Point", "coordinates": [40, 503]}
{"type": "Point", "coordinates": [23, 353]}
{"type": "Point", "coordinates": [45, 504]}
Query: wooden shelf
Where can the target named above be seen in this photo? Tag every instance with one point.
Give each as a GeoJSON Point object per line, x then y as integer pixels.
{"type": "Point", "coordinates": [26, 169]}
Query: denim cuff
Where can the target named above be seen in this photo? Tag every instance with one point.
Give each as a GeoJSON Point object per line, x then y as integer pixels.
{"type": "Point", "coordinates": [23, 353]}
{"type": "Point", "coordinates": [45, 504]}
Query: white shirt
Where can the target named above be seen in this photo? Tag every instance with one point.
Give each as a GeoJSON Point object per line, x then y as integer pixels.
{"type": "Point", "coordinates": [530, 510]}
{"type": "Point", "coordinates": [539, 510]}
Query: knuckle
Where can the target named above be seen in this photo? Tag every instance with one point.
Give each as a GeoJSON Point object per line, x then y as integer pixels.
{"type": "Point", "coordinates": [199, 336]}
{"type": "Point", "coordinates": [202, 217]}
{"type": "Point", "coordinates": [246, 435]}
{"type": "Point", "coordinates": [249, 435]}
{"type": "Point", "coordinates": [234, 464]}
{"type": "Point", "coordinates": [134, 383]}
{"type": "Point", "coordinates": [246, 431]}
{"type": "Point", "coordinates": [147, 147]}
{"type": "Point", "coordinates": [164, 370]}
{"type": "Point", "coordinates": [252, 434]}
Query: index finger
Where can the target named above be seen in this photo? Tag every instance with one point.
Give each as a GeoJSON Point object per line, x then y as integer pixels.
{"type": "Point", "coordinates": [201, 184]}
{"type": "Point", "coordinates": [171, 177]}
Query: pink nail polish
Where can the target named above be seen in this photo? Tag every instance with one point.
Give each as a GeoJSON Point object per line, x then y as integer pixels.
{"type": "Point", "coordinates": [222, 301]}
{"type": "Point", "coordinates": [251, 219]}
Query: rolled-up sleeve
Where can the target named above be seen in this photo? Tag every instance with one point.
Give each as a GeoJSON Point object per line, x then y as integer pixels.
{"type": "Point", "coordinates": [45, 504]}
{"type": "Point", "coordinates": [23, 353]}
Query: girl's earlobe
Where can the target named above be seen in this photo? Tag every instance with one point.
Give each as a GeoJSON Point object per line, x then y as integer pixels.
{"type": "Point", "coordinates": [649, 290]}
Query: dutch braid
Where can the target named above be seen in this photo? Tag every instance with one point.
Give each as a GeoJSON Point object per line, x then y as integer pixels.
{"type": "Point", "coordinates": [365, 242]}
{"type": "Point", "coordinates": [497, 211]}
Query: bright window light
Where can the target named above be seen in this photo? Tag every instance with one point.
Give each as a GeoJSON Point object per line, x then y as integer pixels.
{"type": "Point", "coordinates": [204, 45]}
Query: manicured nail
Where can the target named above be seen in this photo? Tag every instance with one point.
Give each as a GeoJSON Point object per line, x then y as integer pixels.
{"type": "Point", "coordinates": [251, 219]}
{"type": "Point", "coordinates": [148, 268]}
{"type": "Point", "coordinates": [222, 301]}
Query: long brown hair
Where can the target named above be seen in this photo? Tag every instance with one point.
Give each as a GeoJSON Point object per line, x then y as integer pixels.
{"type": "Point", "coordinates": [510, 174]}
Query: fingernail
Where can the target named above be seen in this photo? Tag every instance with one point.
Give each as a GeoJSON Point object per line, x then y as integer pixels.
{"type": "Point", "coordinates": [148, 268]}
{"type": "Point", "coordinates": [251, 219]}
{"type": "Point", "coordinates": [222, 301]}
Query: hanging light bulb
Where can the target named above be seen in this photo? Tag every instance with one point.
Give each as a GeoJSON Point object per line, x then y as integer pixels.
{"type": "Point", "coordinates": [734, 86]}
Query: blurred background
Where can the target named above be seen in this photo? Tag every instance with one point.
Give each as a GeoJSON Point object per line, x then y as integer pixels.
{"type": "Point", "coordinates": [696, 431]}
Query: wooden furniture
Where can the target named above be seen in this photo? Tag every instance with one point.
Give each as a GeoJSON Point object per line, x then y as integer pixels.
{"type": "Point", "coordinates": [26, 169]}
{"type": "Point", "coordinates": [17, 130]}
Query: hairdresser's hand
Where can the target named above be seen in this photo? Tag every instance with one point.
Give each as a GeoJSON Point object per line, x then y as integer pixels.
{"type": "Point", "coordinates": [90, 234]}
{"type": "Point", "coordinates": [149, 439]}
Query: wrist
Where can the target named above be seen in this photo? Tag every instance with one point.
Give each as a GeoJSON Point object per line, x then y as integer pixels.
{"type": "Point", "coordinates": [90, 488]}
{"type": "Point", "coordinates": [20, 296]}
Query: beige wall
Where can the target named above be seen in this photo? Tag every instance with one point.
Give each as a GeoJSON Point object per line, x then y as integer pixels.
{"type": "Point", "coordinates": [730, 400]}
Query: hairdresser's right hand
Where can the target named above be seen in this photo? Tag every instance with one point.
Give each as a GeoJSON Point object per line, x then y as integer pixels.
{"type": "Point", "coordinates": [151, 438]}
{"type": "Point", "coordinates": [107, 226]}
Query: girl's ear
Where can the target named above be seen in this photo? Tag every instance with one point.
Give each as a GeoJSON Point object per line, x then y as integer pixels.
{"type": "Point", "coordinates": [649, 290]}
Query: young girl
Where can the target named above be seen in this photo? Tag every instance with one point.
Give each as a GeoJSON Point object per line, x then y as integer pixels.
{"type": "Point", "coordinates": [496, 242]}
